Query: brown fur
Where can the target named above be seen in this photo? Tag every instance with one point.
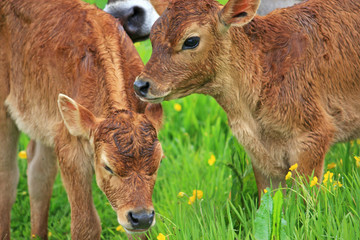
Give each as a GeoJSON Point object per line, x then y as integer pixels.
{"type": "Point", "coordinates": [159, 6]}
{"type": "Point", "coordinates": [72, 48]}
{"type": "Point", "coordinates": [289, 82]}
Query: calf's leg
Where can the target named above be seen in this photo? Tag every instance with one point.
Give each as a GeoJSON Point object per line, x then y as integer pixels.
{"type": "Point", "coordinates": [311, 159]}
{"type": "Point", "coordinates": [263, 181]}
{"type": "Point", "coordinates": [9, 172]}
{"type": "Point", "coordinates": [77, 173]}
{"type": "Point", "coordinates": [42, 169]}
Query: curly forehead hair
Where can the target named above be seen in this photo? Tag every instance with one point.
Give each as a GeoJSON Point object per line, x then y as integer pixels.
{"type": "Point", "coordinates": [184, 9]}
{"type": "Point", "coordinates": [192, 9]}
{"type": "Point", "coordinates": [203, 5]}
{"type": "Point", "coordinates": [133, 136]}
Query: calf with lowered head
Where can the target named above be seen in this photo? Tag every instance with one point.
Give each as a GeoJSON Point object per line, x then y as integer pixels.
{"type": "Point", "coordinates": [66, 71]}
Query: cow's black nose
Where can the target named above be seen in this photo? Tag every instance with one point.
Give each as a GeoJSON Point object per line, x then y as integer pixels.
{"type": "Point", "coordinates": [135, 22]}
{"type": "Point", "coordinates": [141, 220]}
{"type": "Point", "coordinates": [141, 87]}
{"type": "Point", "coordinates": [132, 19]}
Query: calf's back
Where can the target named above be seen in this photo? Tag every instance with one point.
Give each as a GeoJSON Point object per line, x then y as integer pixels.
{"type": "Point", "coordinates": [39, 61]}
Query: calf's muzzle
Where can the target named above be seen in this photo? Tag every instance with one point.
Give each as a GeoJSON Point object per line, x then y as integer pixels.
{"type": "Point", "coordinates": [141, 220]}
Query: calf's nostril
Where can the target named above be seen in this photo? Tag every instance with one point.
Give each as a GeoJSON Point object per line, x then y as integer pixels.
{"type": "Point", "coordinates": [141, 220]}
{"type": "Point", "coordinates": [141, 87]}
{"type": "Point", "coordinates": [144, 89]}
{"type": "Point", "coordinates": [133, 219]}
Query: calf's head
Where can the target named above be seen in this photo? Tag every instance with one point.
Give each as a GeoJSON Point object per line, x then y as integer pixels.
{"type": "Point", "coordinates": [127, 155]}
{"type": "Point", "coordinates": [189, 41]}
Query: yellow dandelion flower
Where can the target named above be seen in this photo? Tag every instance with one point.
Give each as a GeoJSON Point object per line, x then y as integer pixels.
{"type": "Point", "coordinates": [181, 194]}
{"type": "Point", "coordinates": [22, 155]}
{"type": "Point", "coordinates": [198, 193]}
{"type": "Point", "coordinates": [49, 234]}
{"type": "Point", "coordinates": [338, 184]}
{"type": "Point", "coordinates": [313, 181]}
{"type": "Point", "coordinates": [357, 159]}
{"type": "Point", "coordinates": [211, 160]}
{"type": "Point", "coordinates": [33, 236]}
{"type": "Point", "coordinates": [177, 107]}
{"type": "Point", "coordinates": [161, 237]}
{"type": "Point", "coordinates": [265, 191]}
{"type": "Point", "coordinates": [341, 161]}
{"type": "Point", "coordinates": [120, 229]}
{"type": "Point", "coordinates": [191, 200]}
{"type": "Point", "coordinates": [331, 165]}
{"type": "Point", "coordinates": [293, 167]}
{"type": "Point", "coordinates": [288, 176]}
{"type": "Point", "coordinates": [328, 177]}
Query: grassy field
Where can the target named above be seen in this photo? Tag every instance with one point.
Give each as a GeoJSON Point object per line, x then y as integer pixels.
{"type": "Point", "coordinates": [196, 133]}
{"type": "Point", "coordinates": [201, 154]}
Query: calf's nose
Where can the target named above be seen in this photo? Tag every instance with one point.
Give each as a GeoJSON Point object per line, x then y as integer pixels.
{"type": "Point", "coordinates": [141, 87]}
{"type": "Point", "coordinates": [141, 220]}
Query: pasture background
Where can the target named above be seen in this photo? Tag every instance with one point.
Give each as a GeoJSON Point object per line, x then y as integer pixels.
{"type": "Point", "coordinates": [228, 207]}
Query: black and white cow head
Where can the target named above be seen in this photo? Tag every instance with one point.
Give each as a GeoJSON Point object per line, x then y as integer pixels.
{"type": "Point", "coordinates": [136, 16]}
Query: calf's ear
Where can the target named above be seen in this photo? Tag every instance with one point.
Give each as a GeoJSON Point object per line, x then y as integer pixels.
{"type": "Point", "coordinates": [154, 113]}
{"type": "Point", "coordinates": [160, 5]}
{"type": "Point", "coordinates": [238, 12]}
{"type": "Point", "coordinates": [78, 120]}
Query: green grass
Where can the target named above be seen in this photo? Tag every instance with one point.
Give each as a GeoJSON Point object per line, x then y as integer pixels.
{"type": "Point", "coordinates": [189, 137]}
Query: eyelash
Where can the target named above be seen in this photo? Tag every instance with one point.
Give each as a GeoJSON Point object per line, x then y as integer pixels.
{"type": "Point", "coordinates": [108, 169]}
{"type": "Point", "coordinates": [191, 43]}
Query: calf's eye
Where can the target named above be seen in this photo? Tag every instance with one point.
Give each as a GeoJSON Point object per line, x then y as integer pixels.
{"type": "Point", "coordinates": [191, 43]}
{"type": "Point", "coordinates": [108, 169]}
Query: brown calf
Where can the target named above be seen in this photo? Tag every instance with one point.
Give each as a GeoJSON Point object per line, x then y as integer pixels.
{"type": "Point", "coordinates": [289, 81]}
{"type": "Point", "coordinates": [51, 48]}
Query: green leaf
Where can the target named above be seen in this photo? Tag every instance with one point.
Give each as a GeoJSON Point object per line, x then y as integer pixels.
{"type": "Point", "coordinates": [283, 235]}
{"type": "Point", "coordinates": [262, 220]}
{"type": "Point", "coordinates": [90, 1]}
{"type": "Point", "coordinates": [276, 220]}
{"type": "Point", "coordinates": [101, 3]}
